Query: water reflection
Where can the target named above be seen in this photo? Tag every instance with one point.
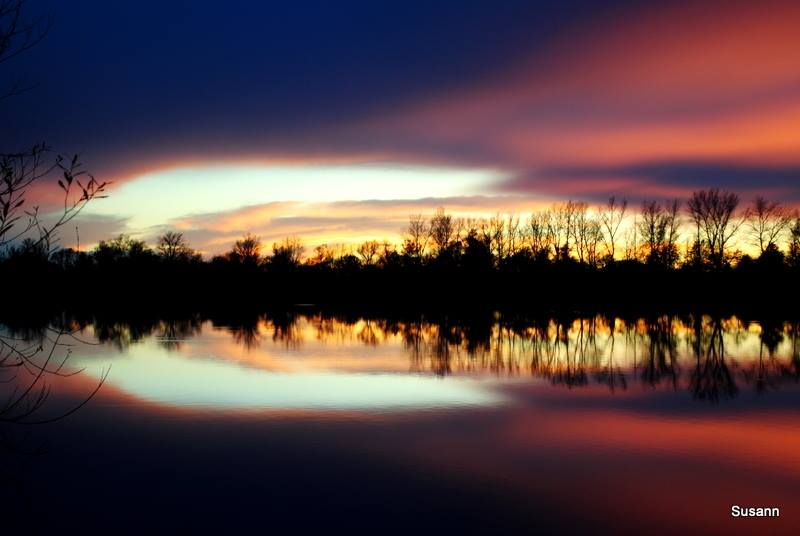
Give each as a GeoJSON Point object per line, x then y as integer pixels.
{"type": "Point", "coordinates": [509, 418]}
{"type": "Point", "coordinates": [313, 359]}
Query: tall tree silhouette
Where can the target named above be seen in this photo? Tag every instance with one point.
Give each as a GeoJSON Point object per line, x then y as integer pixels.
{"type": "Point", "coordinates": [247, 250]}
{"type": "Point", "coordinates": [417, 237]}
{"type": "Point", "coordinates": [369, 252]}
{"type": "Point", "coordinates": [714, 214]}
{"type": "Point", "coordinates": [794, 242]}
{"type": "Point", "coordinates": [172, 247]}
{"type": "Point", "coordinates": [658, 228]}
{"type": "Point", "coordinates": [287, 254]}
{"type": "Point", "coordinates": [611, 218]}
{"type": "Point", "coordinates": [443, 230]}
{"type": "Point", "coordinates": [767, 221]}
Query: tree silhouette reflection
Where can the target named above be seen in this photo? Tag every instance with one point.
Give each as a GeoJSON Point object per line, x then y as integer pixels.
{"type": "Point", "coordinates": [172, 333]}
{"type": "Point", "coordinates": [711, 378]}
{"type": "Point", "coordinates": [662, 349]}
{"type": "Point", "coordinates": [712, 357]}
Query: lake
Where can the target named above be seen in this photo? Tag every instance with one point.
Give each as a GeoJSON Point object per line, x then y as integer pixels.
{"type": "Point", "coordinates": [308, 421]}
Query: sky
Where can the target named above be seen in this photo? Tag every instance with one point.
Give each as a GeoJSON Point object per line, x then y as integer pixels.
{"type": "Point", "coordinates": [335, 121]}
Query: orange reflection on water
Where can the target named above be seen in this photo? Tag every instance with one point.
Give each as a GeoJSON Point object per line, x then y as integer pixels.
{"type": "Point", "coordinates": [713, 357]}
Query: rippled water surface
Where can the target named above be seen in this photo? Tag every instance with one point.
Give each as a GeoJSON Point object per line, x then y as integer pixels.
{"type": "Point", "coordinates": [311, 421]}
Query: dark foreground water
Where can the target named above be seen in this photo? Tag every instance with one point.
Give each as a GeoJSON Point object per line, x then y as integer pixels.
{"type": "Point", "coordinates": [307, 422]}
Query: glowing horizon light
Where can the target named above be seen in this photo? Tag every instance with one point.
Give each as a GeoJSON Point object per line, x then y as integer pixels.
{"type": "Point", "coordinates": [158, 197]}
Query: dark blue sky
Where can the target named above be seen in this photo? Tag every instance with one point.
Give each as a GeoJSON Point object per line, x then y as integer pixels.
{"type": "Point", "coordinates": [120, 77]}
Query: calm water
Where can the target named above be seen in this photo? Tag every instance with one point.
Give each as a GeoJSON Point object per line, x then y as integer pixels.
{"type": "Point", "coordinates": [292, 422]}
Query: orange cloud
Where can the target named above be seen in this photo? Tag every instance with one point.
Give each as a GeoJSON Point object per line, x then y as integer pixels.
{"type": "Point", "coordinates": [696, 82]}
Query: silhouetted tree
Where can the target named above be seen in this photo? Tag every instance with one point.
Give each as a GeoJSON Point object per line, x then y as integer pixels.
{"type": "Point", "coordinates": [246, 250]}
{"type": "Point", "coordinates": [632, 241]}
{"type": "Point", "coordinates": [324, 256]}
{"type": "Point", "coordinates": [767, 221]}
{"type": "Point", "coordinates": [477, 255]}
{"type": "Point", "coordinates": [120, 249]}
{"type": "Point", "coordinates": [504, 235]}
{"type": "Point", "coordinates": [369, 252]}
{"type": "Point", "coordinates": [538, 236]}
{"type": "Point", "coordinates": [587, 233]}
{"type": "Point", "coordinates": [172, 247]}
{"type": "Point", "coordinates": [658, 228]}
{"type": "Point", "coordinates": [347, 263]}
{"type": "Point", "coordinates": [514, 235]}
{"type": "Point", "coordinates": [388, 255]}
{"type": "Point", "coordinates": [794, 243]}
{"type": "Point", "coordinates": [417, 237]}
{"type": "Point", "coordinates": [287, 254]}
{"type": "Point", "coordinates": [443, 230]}
{"type": "Point", "coordinates": [611, 218]}
{"type": "Point", "coordinates": [713, 212]}
{"type": "Point", "coordinates": [560, 224]}
{"type": "Point", "coordinates": [493, 232]}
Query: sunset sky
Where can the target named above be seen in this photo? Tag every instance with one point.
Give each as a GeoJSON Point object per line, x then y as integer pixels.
{"type": "Point", "coordinates": [336, 120]}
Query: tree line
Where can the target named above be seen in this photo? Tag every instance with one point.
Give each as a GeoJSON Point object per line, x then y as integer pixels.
{"type": "Point", "coordinates": [699, 233]}
{"type": "Point", "coordinates": [706, 233]}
